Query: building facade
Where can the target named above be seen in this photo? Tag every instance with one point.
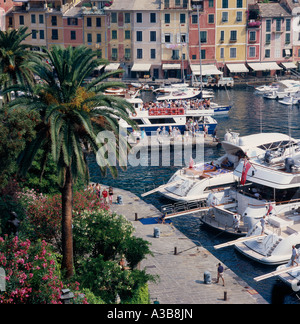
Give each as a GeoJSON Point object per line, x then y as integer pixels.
{"type": "Point", "coordinates": [175, 38]}
{"type": "Point", "coordinates": [231, 31]}
{"type": "Point", "coordinates": [167, 38]}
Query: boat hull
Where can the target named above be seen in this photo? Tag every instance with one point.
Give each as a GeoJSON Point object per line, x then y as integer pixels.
{"type": "Point", "coordinates": [152, 129]}
{"type": "Point", "coordinates": [251, 254]}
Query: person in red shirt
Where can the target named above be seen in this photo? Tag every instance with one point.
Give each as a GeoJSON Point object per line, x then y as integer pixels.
{"type": "Point", "coordinates": [105, 195]}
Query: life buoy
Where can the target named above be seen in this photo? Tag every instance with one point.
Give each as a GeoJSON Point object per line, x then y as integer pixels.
{"type": "Point", "coordinates": [152, 112]}
{"type": "Point", "coordinates": [181, 111]}
{"type": "Point", "coordinates": [134, 114]}
{"type": "Point", "coordinates": [165, 111]}
{"type": "Point", "coordinates": [174, 111]}
{"type": "Point", "coordinates": [160, 111]}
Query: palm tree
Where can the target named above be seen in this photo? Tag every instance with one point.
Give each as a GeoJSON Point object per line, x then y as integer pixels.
{"type": "Point", "coordinates": [16, 58]}
{"type": "Point", "coordinates": [70, 123]}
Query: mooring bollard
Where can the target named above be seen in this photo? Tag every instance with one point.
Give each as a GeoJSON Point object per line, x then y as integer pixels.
{"type": "Point", "coordinates": [156, 232]}
{"type": "Point", "coordinates": [225, 295]}
{"type": "Point", "coordinates": [207, 278]}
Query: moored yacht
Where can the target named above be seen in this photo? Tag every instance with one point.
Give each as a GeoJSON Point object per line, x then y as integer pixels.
{"type": "Point", "coordinates": [196, 183]}
{"type": "Point", "coordinates": [291, 99]}
{"type": "Point", "coordinates": [181, 92]}
{"type": "Point", "coordinates": [291, 275]}
{"type": "Point", "coordinates": [277, 197]}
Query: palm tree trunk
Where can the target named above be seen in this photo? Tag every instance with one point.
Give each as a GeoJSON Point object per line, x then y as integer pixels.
{"type": "Point", "coordinates": [67, 233]}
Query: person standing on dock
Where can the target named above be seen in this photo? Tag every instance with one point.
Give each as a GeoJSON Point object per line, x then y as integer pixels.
{"type": "Point", "coordinates": [105, 194]}
{"type": "Point", "coordinates": [111, 194]}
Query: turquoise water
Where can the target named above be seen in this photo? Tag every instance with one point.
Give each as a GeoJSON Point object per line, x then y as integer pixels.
{"type": "Point", "coordinates": [250, 114]}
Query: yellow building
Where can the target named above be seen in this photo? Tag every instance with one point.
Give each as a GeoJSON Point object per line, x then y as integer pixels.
{"type": "Point", "coordinates": [94, 27]}
{"type": "Point", "coordinates": [231, 20]}
{"type": "Point", "coordinates": [174, 37]}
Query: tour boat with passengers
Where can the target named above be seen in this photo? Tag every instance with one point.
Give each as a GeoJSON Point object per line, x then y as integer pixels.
{"type": "Point", "coordinates": [197, 183]}
{"type": "Point", "coordinates": [268, 204]}
{"type": "Point", "coordinates": [154, 120]}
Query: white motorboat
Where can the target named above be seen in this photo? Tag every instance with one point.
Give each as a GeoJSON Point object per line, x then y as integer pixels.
{"type": "Point", "coordinates": [273, 189]}
{"type": "Point", "coordinates": [267, 88]}
{"type": "Point", "coordinates": [291, 99]}
{"type": "Point", "coordinates": [228, 205]}
{"type": "Point", "coordinates": [286, 88]}
{"type": "Point", "coordinates": [181, 92]}
{"type": "Point", "coordinates": [291, 275]}
{"type": "Point", "coordinates": [163, 119]}
{"type": "Point", "coordinates": [190, 184]}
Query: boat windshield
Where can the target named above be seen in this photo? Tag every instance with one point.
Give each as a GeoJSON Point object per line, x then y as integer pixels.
{"type": "Point", "coordinates": [276, 145]}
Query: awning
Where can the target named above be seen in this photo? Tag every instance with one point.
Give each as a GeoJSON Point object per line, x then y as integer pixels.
{"type": "Point", "coordinates": [99, 68]}
{"type": "Point", "coordinates": [172, 66]}
{"type": "Point", "coordinates": [289, 65]}
{"type": "Point", "coordinates": [207, 69]}
{"type": "Point", "coordinates": [237, 68]}
{"type": "Point", "coordinates": [266, 66]}
{"type": "Point", "coordinates": [112, 67]}
{"type": "Point", "coordinates": [141, 67]}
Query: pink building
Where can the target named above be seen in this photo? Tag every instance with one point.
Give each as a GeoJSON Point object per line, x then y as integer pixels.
{"type": "Point", "coordinates": [276, 44]}
{"type": "Point", "coordinates": [253, 33]}
{"type": "Point", "coordinates": [207, 13]}
{"type": "Point", "coordinates": [73, 27]}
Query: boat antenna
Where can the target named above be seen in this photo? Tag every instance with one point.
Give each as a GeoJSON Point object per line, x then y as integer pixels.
{"type": "Point", "coordinates": [289, 125]}
{"type": "Point", "coordinates": [200, 49]}
{"type": "Point", "coordinates": [261, 126]}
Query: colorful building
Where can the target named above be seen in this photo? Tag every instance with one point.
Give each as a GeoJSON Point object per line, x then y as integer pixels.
{"type": "Point", "coordinates": [166, 38]}
{"type": "Point", "coordinates": [73, 27]}
{"type": "Point", "coordinates": [276, 38]}
{"type": "Point", "coordinates": [119, 35]}
{"type": "Point", "coordinates": [294, 8]}
{"type": "Point", "coordinates": [94, 26]}
{"type": "Point", "coordinates": [146, 36]}
{"type": "Point", "coordinates": [231, 26]}
{"type": "Point", "coordinates": [175, 37]}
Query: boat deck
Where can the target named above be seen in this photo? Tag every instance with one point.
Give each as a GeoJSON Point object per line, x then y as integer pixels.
{"type": "Point", "coordinates": [212, 222]}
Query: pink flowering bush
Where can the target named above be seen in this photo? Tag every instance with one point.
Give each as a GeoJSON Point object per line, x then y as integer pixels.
{"type": "Point", "coordinates": [32, 273]}
{"type": "Point", "coordinates": [30, 196]}
{"type": "Point", "coordinates": [44, 212]}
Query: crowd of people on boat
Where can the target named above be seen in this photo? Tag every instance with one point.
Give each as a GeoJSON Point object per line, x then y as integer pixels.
{"type": "Point", "coordinates": [186, 104]}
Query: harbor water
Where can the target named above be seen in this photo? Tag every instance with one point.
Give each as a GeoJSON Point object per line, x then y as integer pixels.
{"type": "Point", "coordinates": [250, 113]}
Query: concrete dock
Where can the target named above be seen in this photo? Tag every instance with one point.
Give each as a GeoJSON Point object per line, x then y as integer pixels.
{"type": "Point", "coordinates": [181, 275]}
